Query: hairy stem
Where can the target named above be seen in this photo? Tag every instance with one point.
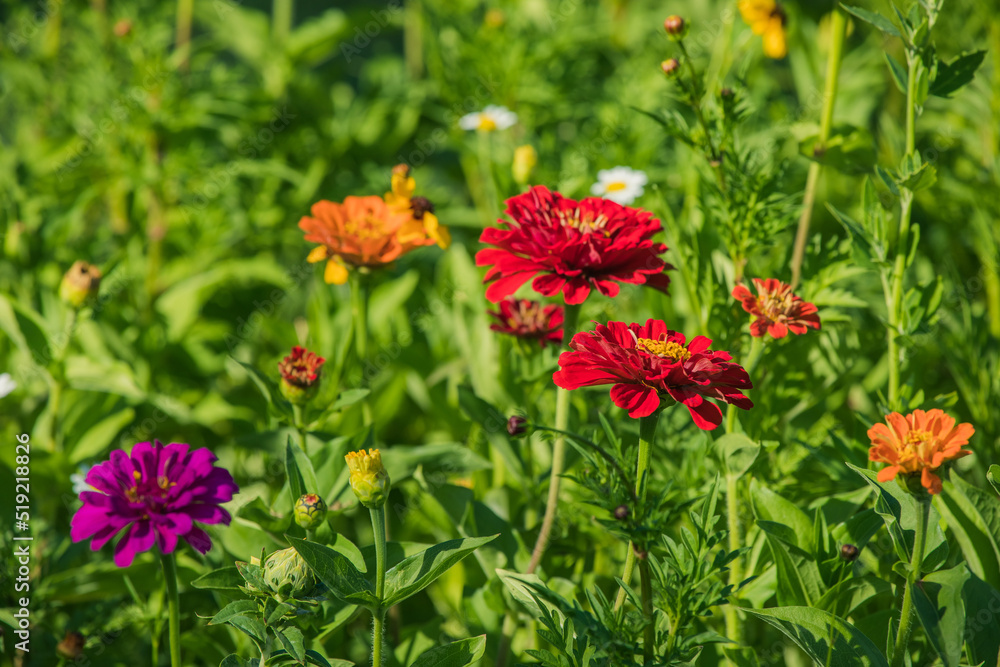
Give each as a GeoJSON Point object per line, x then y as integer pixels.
{"type": "Point", "coordinates": [906, 614]}
{"type": "Point", "coordinates": [173, 607]}
{"type": "Point", "coordinates": [649, 634]}
{"type": "Point", "coordinates": [378, 528]}
{"type": "Point", "coordinates": [838, 28]}
{"type": "Point", "coordinates": [359, 313]}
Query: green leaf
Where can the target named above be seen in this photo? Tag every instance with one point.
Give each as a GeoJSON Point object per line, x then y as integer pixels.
{"type": "Point", "coordinates": [250, 626]}
{"type": "Point", "coordinates": [339, 574]}
{"type": "Point", "coordinates": [956, 74]}
{"type": "Point", "coordinates": [223, 579]}
{"type": "Point", "coordinates": [298, 467]}
{"type": "Point", "coordinates": [531, 591]}
{"type": "Point", "coordinates": [849, 594]}
{"type": "Point", "coordinates": [494, 425]}
{"type": "Point", "coordinates": [462, 653]}
{"type": "Point", "coordinates": [937, 599]}
{"type": "Point", "coordinates": [849, 149]}
{"type": "Point", "coordinates": [982, 621]}
{"type": "Point", "coordinates": [237, 608]}
{"type": "Point", "coordinates": [314, 658]}
{"type": "Point", "coordinates": [233, 660]}
{"type": "Point", "coordinates": [348, 398]}
{"type": "Point", "coordinates": [769, 506]}
{"type": "Point", "coordinates": [874, 18]}
{"type": "Point", "coordinates": [100, 436]}
{"type": "Point", "coordinates": [268, 389]}
{"type": "Point", "coordinates": [738, 453]}
{"type": "Point", "coordinates": [413, 574]}
{"type": "Point", "coordinates": [292, 641]}
{"type": "Point", "coordinates": [993, 475]}
{"type": "Point", "coordinates": [973, 515]}
{"type": "Point", "coordinates": [27, 329]}
{"type": "Point", "coordinates": [829, 640]}
{"type": "Point", "coordinates": [792, 588]}
{"type": "Point", "coordinates": [898, 510]}
{"type": "Point", "coordinates": [260, 513]}
{"type": "Point", "coordinates": [899, 74]}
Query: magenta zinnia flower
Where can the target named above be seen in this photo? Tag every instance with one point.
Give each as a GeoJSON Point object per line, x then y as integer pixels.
{"type": "Point", "coordinates": [648, 362]}
{"type": "Point", "coordinates": [156, 494]}
{"type": "Point", "coordinates": [571, 247]}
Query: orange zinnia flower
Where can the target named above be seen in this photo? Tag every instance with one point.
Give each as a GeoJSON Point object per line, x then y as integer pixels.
{"type": "Point", "coordinates": [776, 309]}
{"type": "Point", "coordinates": [921, 443]}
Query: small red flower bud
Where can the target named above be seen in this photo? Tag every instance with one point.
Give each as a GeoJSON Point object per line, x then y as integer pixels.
{"type": "Point", "coordinates": [675, 26]}
{"type": "Point", "coordinates": [300, 375]}
{"type": "Point", "coordinates": [517, 426]}
{"type": "Point", "coordinates": [621, 512]}
{"type": "Point", "coordinates": [849, 552]}
{"type": "Point", "coordinates": [671, 67]}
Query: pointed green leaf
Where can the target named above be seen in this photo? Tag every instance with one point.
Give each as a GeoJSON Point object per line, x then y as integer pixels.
{"type": "Point", "coordinates": [738, 453]}
{"type": "Point", "coordinates": [260, 514]}
{"type": "Point", "coordinates": [462, 653]}
{"type": "Point", "coordinates": [937, 599]}
{"type": "Point", "coordinates": [956, 74]}
{"type": "Point", "coordinates": [223, 579]}
{"type": "Point", "coordinates": [292, 641]}
{"type": "Point", "coordinates": [339, 574]}
{"type": "Point", "coordinates": [829, 640]}
{"type": "Point", "coordinates": [236, 608]}
{"type": "Point", "coordinates": [973, 516]}
{"type": "Point", "coordinates": [874, 18]}
{"type": "Point", "coordinates": [417, 572]}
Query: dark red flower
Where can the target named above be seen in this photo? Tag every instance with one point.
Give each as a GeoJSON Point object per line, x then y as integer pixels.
{"type": "Point", "coordinates": [575, 246]}
{"type": "Point", "coordinates": [647, 361]}
{"type": "Point", "coordinates": [301, 368]}
{"type": "Point", "coordinates": [777, 310]}
{"type": "Point", "coordinates": [529, 319]}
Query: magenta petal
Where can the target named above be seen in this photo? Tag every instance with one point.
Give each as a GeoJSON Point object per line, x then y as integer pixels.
{"type": "Point", "coordinates": [199, 539]}
{"type": "Point", "coordinates": [140, 538]}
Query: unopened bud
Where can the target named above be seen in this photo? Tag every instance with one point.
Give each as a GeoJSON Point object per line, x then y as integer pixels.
{"type": "Point", "coordinates": [300, 375]}
{"type": "Point", "coordinates": [122, 28]}
{"type": "Point", "coordinates": [621, 512]}
{"type": "Point", "coordinates": [288, 575]}
{"type": "Point", "coordinates": [517, 426]}
{"type": "Point", "coordinates": [80, 285]}
{"type": "Point", "coordinates": [676, 27]}
{"type": "Point", "coordinates": [849, 552]}
{"type": "Point", "coordinates": [671, 67]}
{"type": "Point", "coordinates": [71, 647]}
{"type": "Point", "coordinates": [369, 480]}
{"type": "Point", "coordinates": [310, 511]}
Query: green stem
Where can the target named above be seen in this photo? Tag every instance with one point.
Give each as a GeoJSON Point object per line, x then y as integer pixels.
{"type": "Point", "coordinates": [265, 653]}
{"type": "Point", "coordinates": [297, 417]}
{"type": "Point", "coordinates": [734, 630]}
{"type": "Point", "coordinates": [647, 429]}
{"type": "Point", "coordinates": [572, 314]}
{"type": "Point", "coordinates": [378, 527]}
{"type": "Point", "coordinates": [906, 614]}
{"type": "Point", "coordinates": [753, 357]}
{"type": "Point", "coordinates": [173, 607]}
{"type": "Point", "coordinates": [649, 634]}
{"type": "Point", "coordinates": [484, 144]}
{"type": "Point", "coordinates": [185, 13]}
{"type": "Point", "coordinates": [359, 312]}
{"type": "Point", "coordinates": [838, 28]}
{"type": "Point", "coordinates": [413, 39]}
{"type": "Point", "coordinates": [899, 265]}
{"type": "Point", "coordinates": [282, 12]}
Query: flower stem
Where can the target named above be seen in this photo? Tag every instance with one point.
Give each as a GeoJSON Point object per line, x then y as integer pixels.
{"type": "Point", "coordinates": [378, 527]}
{"type": "Point", "coordinates": [359, 313]}
{"type": "Point", "coordinates": [281, 19]}
{"type": "Point", "coordinates": [570, 318]}
{"type": "Point", "coordinates": [906, 614]}
{"type": "Point", "coordinates": [173, 607]}
{"type": "Point", "coordinates": [484, 154]}
{"type": "Point", "coordinates": [838, 28]}
{"type": "Point", "coordinates": [647, 429]}
{"type": "Point", "coordinates": [649, 634]}
{"type": "Point", "coordinates": [299, 424]}
{"type": "Point", "coordinates": [185, 12]}
{"type": "Point", "coordinates": [899, 265]}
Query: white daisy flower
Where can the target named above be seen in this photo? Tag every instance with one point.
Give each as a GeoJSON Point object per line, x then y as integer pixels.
{"type": "Point", "coordinates": [79, 479]}
{"type": "Point", "coordinates": [7, 384]}
{"type": "Point", "coordinates": [491, 118]}
{"type": "Point", "coordinates": [622, 185]}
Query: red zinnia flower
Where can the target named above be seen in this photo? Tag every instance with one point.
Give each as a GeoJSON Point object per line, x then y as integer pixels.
{"type": "Point", "coordinates": [918, 444]}
{"type": "Point", "coordinates": [777, 310]}
{"type": "Point", "coordinates": [575, 246]}
{"type": "Point", "coordinates": [301, 368]}
{"type": "Point", "coordinates": [529, 319]}
{"type": "Point", "coordinates": [645, 361]}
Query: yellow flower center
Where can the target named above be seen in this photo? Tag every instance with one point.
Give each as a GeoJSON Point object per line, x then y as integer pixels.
{"type": "Point", "coordinates": [774, 306]}
{"type": "Point", "coordinates": [614, 187]}
{"type": "Point", "coordinates": [664, 348]}
{"type": "Point", "coordinates": [486, 123]}
{"type": "Point", "coordinates": [585, 224]}
{"type": "Point", "coordinates": [368, 227]}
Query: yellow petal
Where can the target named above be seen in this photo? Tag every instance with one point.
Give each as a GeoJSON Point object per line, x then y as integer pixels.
{"type": "Point", "coordinates": [335, 273]}
{"type": "Point", "coordinates": [775, 45]}
{"type": "Point", "coordinates": [437, 231]}
{"type": "Point", "coordinates": [317, 254]}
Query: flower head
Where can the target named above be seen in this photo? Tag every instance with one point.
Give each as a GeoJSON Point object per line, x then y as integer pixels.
{"type": "Point", "coordinates": [529, 319]}
{"type": "Point", "coordinates": [423, 224]}
{"type": "Point", "coordinates": [80, 284]}
{"type": "Point", "coordinates": [489, 119]}
{"type": "Point", "coordinates": [917, 445]}
{"type": "Point", "coordinates": [621, 184]}
{"type": "Point", "coordinates": [361, 232]}
{"type": "Point", "coordinates": [576, 246]}
{"type": "Point", "coordinates": [300, 375]}
{"type": "Point", "coordinates": [310, 511]}
{"type": "Point", "coordinates": [649, 362]}
{"type": "Point", "coordinates": [288, 575]}
{"type": "Point", "coordinates": [675, 26]}
{"type": "Point", "coordinates": [776, 309]}
{"type": "Point", "coordinates": [767, 18]}
{"type": "Point", "coordinates": [156, 494]}
{"type": "Point", "coordinates": [369, 479]}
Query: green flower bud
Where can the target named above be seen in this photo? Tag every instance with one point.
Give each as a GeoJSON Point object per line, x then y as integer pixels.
{"type": "Point", "coordinates": [369, 480]}
{"type": "Point", "coordinates": [288, 575]}
{"type": "Point", "coordinates": [310, 511]}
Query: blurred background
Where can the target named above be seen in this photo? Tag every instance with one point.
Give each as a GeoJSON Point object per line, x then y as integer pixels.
{"type": "Point", "coordinates": [176, 146]}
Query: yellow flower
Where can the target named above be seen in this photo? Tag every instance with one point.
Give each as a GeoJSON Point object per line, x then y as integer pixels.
{"type": "Point", "coordinates": [369, 479]}
{"type": "Point", "coordinates": [767, 18]}
{"type": "Point", "coordinates": [423, 223]}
